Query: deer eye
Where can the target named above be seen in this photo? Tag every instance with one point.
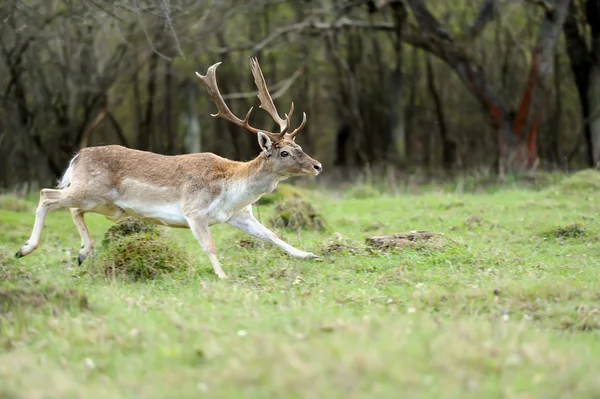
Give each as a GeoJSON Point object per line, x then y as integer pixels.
{"type": "Point", "coordinates": [284, 154]}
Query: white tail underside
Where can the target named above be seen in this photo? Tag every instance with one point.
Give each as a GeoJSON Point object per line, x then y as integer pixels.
{"type": "Point", "coordinates": [65, 180]}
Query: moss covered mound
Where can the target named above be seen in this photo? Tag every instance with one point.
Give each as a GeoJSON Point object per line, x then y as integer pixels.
{"type": "Point", "coordinates": [136, 250]}
{"type": "Point", "coordinates": [296, 214]}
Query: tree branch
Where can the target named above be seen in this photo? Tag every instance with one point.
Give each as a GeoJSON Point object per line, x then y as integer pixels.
{"type": "Point", "coordinates": [485, 15]}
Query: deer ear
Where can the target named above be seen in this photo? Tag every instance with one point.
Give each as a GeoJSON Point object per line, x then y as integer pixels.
{"type": "Point", "coordinates": [265, 143]}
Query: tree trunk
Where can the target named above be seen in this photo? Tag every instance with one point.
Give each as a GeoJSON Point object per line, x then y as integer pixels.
{"type": "Point", "coordinates": [189, 119]}
{"type": "Point", "coordinates": [398, 148]}
{"type": "Point", "coordinates": [593, 97]}
{"type": "Point", "coordinates": [582, 63]}
{"type": "Point", "coordinates": [448, 145]}
{"type": "Point", "coordinates": [168, 111]}
{"type": "Point", "coordinates": [146, 132]}
{"type": "Point", "coordinates": [517, 136]}
{"type": "Point", "coordinates": [553, 143]}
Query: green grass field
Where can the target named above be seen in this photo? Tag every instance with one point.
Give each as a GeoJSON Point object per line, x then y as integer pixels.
{"type": "Point", "coordinates": [506, 303]}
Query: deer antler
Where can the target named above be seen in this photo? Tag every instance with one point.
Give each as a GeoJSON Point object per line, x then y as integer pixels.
{"type": "Point", "coordinates": [266, 102]}
{"type": "Point", "coordinates": [210, 81]}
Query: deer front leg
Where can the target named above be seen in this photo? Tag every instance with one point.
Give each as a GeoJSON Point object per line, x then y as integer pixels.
{"type": "Point", "coordinates": [199, 227]}
{"type": "Point", "coordinates": [245, 221]}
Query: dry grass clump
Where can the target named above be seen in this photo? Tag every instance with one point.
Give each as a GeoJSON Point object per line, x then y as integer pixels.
{"type": "Point", "coordinates": [572, 230]}
{"type": "Point", "coordinates": [363, 191]}
{"type": "Point", "coordinates": [137, 250]}
{"type": "Point", "coordinates": [414, 239]}
{"type": "Point", "coordinates": [585, 181]}
{"type": "Point", "coordinates": [297, 214]}
{"type": "Point", "coordinates": [19, 297]}
{"type": "Point", "coordinates": [128, 226]}
{"type": "Point", "coordinates": [341, 245]}
{"type": "Point", "coordinates": [14, 204]}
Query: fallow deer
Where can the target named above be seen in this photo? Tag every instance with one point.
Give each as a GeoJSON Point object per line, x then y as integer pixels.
{"type": "Point", "coordinates": [189, 191]}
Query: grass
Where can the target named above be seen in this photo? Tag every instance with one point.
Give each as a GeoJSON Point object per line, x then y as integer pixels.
{"type": "Point", "coordinates": [507, 304]}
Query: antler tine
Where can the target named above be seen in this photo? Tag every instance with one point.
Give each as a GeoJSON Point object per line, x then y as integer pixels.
{"type": "Point", "coordinates": [266, 102]}
{"type": "Point", "coordinates": [223, 111]}
{"type": "Point", "coordinates": [298, 129]}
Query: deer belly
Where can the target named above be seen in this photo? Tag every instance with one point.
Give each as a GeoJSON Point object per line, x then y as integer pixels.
{"type": "Point", "coordinates": [166, 213]}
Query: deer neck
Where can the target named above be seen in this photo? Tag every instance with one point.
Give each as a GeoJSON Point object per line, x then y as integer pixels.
{"type": "Point", "coordinates": [259, 175]}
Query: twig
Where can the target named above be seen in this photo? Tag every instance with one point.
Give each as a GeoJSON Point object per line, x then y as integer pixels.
{"type": "Point", "coordinates": [86, 134]}
{"type": "Point", "coordinates": [139, 17]}
{"type": "Point", "coordinates": [167, 9]}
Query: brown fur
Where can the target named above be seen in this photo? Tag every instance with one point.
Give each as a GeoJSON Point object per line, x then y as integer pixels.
{"type": "Point", "coordinates": [191, 191]}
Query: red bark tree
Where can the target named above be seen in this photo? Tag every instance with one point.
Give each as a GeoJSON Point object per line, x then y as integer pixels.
{"type": "Point", "coordinates": [517, 129]}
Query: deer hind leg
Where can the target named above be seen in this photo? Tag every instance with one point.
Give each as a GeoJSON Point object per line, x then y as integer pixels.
{"type": "Point", "coordinates": [50, 200]}
{"type": "Point", "coordinates": [86, 239]}
{"type": "Point", "coordinates": [245, 221]}
{"type": "Point", "coordinates": [200, 229]}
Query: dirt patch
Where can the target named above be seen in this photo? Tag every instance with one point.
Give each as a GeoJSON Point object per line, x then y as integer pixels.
{"type": "Point", "coordinates": [473, 221]}
{"type": "Point", "coordinates": [14, 274]}
{"type": "Point", "coordinates": [341, 245]}
{"type": "Point", "coordinates": [25, 297]}
{"type": "Point", "coordinates": [572, 230]}
{"type": "Point", "coordinates": [454, 204]}
{"type": "Point", "coordinates": [373, 227]}
{"type": "Point", "coordinates": [414, 239]}
{"type": "Point", "coordinates": [251, 243]}
{"type": "Point", "coordinates": [558, 308]}
{"type": "Point", "coordinates": [297, 214]}
{"type": "Point", "coordinates": [135, 250]}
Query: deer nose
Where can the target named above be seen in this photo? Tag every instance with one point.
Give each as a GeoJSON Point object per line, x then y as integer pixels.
{"type": "Point", "coordinates": [318, 167]}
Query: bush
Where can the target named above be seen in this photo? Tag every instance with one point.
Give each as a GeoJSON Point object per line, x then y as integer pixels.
{"type": "Point", "coordinates": [136, 251]}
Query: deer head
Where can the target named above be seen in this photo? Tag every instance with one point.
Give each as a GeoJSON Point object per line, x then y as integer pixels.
{"type": "Point", "coordinates": [280, 150]}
